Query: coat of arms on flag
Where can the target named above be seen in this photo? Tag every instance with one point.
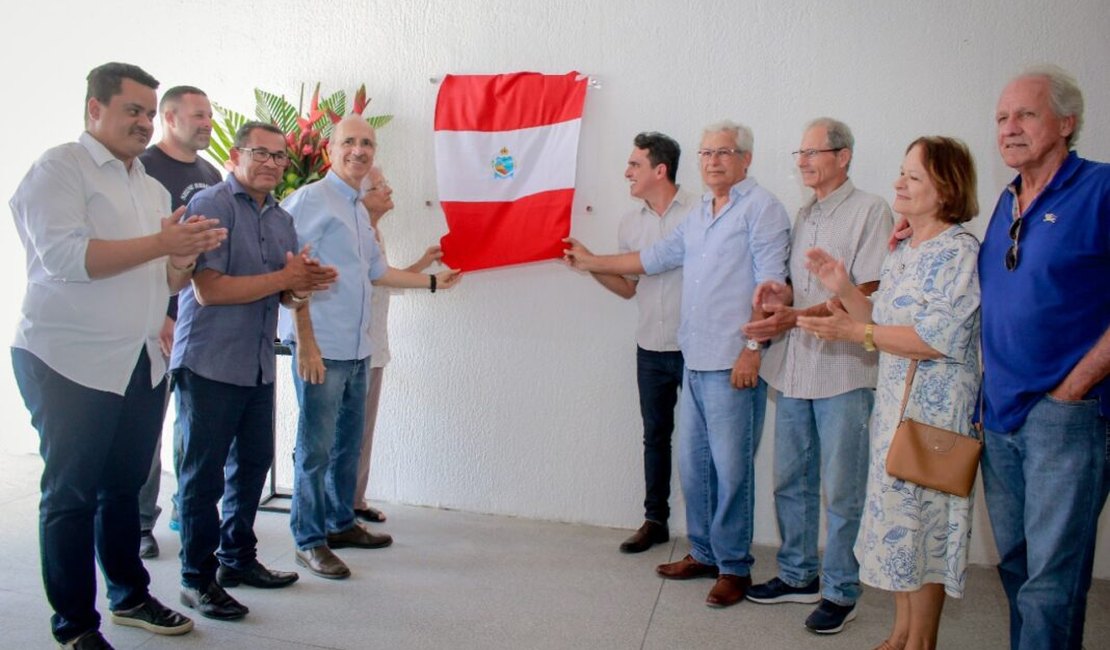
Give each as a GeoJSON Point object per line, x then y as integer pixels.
{"type": "Point", "coordinates": [506, 153]}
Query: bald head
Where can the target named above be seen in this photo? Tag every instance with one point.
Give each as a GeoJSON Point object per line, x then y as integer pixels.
{"type": "Point", "coordinates": [352, 147]}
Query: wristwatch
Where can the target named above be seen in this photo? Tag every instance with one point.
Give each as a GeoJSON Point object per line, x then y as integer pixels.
{"type": "Point", "coordinates": [753, 345]}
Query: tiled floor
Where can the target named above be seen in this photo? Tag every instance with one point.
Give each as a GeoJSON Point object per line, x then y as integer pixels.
{"type": "Point", "coordinates": [459, 580]}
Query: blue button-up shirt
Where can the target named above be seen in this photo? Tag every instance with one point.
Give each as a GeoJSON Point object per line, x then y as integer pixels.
{"type": "Point", "coordinates": [329, 217]}
{"type": "Point", "coordinates": [234, 343]}
{"type": "Point", "coordinates": [723, 257]}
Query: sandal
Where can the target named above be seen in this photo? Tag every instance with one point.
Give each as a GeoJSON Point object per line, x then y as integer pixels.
{"type": "Point", "coordinates": [372, 515]}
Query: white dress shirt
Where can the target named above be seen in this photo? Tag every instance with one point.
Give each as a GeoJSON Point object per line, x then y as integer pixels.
{"type": "Point", "coordinates": [89, 331]}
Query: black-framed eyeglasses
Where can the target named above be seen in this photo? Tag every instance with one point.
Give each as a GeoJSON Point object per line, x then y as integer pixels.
{"type": "Point", "coordinates": [1012, 252]}
{"type": "Point", "coordinates": [260, 155]}
{"type": "Point", "coordinates": [808, 154]}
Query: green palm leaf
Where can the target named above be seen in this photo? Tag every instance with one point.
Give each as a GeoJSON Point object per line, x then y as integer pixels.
{"type": "Point", "coordinates": [378, 121]}
{"type": "Point", "coordinates": [223, 133]}
{"type": "Point", "coordinates": [275, 109]}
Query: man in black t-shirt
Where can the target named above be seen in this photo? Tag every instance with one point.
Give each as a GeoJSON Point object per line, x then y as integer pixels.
{"type": "Point", "coordinates": [186, 130]}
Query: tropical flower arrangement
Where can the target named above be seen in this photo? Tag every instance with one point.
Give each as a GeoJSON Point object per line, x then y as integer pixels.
{"type": "Point", "coordinates": [306, 133]}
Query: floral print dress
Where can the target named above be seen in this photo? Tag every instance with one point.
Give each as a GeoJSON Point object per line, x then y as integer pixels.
{"type": "Point", "coordinates": [911, 535]}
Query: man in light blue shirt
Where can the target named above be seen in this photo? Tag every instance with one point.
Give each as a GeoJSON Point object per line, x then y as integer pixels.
{"type": "Point", "coordinates": [737, 238]}
{"type": "Point", "coordinates": [332, 350]}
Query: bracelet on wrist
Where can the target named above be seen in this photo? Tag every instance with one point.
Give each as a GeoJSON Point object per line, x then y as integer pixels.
{"type": "Point", "coordinates": [298, 300]}
{"type": "Point", "coordinates": [183, 269]}
{"type": "Point", "coordinates": [432, 282]}
{"type": "Point", "coordinates": [869, 337]}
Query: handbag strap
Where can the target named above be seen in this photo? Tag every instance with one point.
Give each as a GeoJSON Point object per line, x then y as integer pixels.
{"type": "Point", "coordinates": [909, 382]}
{"type": "Point", "coordinates": [976, 429]}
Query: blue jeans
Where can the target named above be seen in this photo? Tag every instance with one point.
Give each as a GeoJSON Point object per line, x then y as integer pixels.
{"type": "Point", "coordinates": [1045, 485]}
{"type": "Point", "coordinates": [821, 443]}
{"type": "Point", "coordinates": [325, 461]}
{"type": "Point", "coordinates": [659, 377]}
{"type": "Point", "coordinates": [227, 436]}
{"type": "Point", "coordinates": [96, 448]}
{"type": "Point", "coordinates": [720, 428]}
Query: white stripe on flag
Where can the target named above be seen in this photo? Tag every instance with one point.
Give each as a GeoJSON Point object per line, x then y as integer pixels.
{"type": "Point", "coordinates": [543, 158]}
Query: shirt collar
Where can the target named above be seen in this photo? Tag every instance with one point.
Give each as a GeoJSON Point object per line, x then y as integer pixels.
{"type": "Point", "coordinates": [834, 199]}
{"type": "Point", "coordinates": [1062, 176]}
{"type": "Point", "coordinates": [734, 192]}
{"type": "Point", "coordinates": [100, 154]}
{"type": "Point", "coordinates": [237, 188]}
{"type": "Point", "coordinates": [341, 186]}
{"type": "Point", "coordinates": [679, 199]}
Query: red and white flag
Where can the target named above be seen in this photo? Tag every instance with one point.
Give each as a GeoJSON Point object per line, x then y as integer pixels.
{"type": "Point", "coordinates": [506, 153]}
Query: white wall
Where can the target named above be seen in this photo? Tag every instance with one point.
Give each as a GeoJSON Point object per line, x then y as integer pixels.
{"type": "Point", "coordinates": [515, 393]}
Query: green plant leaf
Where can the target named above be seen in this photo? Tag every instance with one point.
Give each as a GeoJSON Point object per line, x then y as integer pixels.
{"type": "Point", "coordinates": [276, 110]}
{"type": "Point", "coordinates": [223, 132]}
{"type": "Point", "coordinates": [378, 121]}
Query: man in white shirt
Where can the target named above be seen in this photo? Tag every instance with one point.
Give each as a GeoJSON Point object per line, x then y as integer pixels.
{"type": "Point", "coordinates": [651, 172]}
{"type": "Point", "coordinates": [103, 256]}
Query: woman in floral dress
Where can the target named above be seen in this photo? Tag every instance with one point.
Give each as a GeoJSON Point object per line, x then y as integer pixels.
{"type": "Point", "coordinates": [913, 540]}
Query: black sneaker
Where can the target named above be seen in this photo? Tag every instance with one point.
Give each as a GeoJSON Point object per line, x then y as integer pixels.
{"type": "Point", "coordinates": [776, 591]}
{"type": "Point", "coordinates": [830, 618]}
{"type": "Point", "coordinates": [91, 640]}
{"type": "Point", "coordinates": [155, 617]}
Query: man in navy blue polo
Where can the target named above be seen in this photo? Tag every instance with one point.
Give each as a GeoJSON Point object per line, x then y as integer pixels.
{"type": "Point", "coordinates": [223, 366]}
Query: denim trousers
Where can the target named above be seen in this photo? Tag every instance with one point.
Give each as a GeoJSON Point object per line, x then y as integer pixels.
{"type": "Point", "coordinates": [659, 378]}
{"type": "Point", "coordinates": [227, 436]}
{"type": "Point", "coordinates": [96, 448]}
{"type": "Point", "coordinates": [325, 459]}
{"type": "Point", "coordinates": [719, 432]}
{"type": "Point", "coordinates": [821, 443]}
{"type": "Point", "coordinates": [1045, 487]}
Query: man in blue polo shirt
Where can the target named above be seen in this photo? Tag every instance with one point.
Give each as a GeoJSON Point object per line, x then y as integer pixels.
{"type": "Point", "coordinates": [223, 367]}
{"type": "Point", "coordinates": [736, 238]}
{"type": "Point", "coordinates": [332, 350]}
{"type": "Point", "coordinates": [1046, 350]}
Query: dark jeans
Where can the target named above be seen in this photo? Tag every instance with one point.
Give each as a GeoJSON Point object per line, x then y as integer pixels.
{"type": "Point", "coordinates": [227, 447]}
{"type": "Point", "coordinates": [658, 376]}
{"type": "Point", "coordinates": [96, 447]}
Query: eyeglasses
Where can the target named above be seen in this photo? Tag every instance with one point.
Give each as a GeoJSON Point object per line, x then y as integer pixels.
{"type": "Point", "coordinates": [1012, 252]}
{"type": "Point", "coordinates": [808, 154]}
{"type": "Point", "coordinates": [706, 154]}
{"type": "Point", "coordinates": [383, 185]}
{"type": "Point", "coordinates": [260, 155]}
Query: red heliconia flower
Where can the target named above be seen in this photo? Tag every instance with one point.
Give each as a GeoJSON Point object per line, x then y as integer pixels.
{"type": "Point", "coordinates": [360, 101]}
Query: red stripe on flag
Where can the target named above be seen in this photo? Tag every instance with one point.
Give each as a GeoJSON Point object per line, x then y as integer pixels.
{"type": "Point", "coordinates": [489, 234]}
{"type": "Point", "coordinates": [507, 102]}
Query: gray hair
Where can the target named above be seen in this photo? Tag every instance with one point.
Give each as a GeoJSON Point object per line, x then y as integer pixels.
{"type": "Point", "coordinates": [837, 133]}
{"type": "Point", "coordinates": [741, 134]}
{"type": "Point", "coordinates": [1063, 94]}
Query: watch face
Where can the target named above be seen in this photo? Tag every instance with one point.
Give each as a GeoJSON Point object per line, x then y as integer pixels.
{"type": "Point", "coordinates": [752, 345]}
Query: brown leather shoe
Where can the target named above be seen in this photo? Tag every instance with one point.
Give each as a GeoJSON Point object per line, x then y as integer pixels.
{"type": "Point", "coordinates": [358, 537]}
{"type": "Point", "coordinates": [320, 561]}
{"type": "Point", "coordinates": [685, 569]}
{"type": "Point", "coordinates": [650, 534]}
{"type": "Point", "coordinates": [728, 590]}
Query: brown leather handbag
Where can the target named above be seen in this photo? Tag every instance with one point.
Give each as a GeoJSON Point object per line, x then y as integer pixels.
{"type": "Point", "coordinates": [933, 457]}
